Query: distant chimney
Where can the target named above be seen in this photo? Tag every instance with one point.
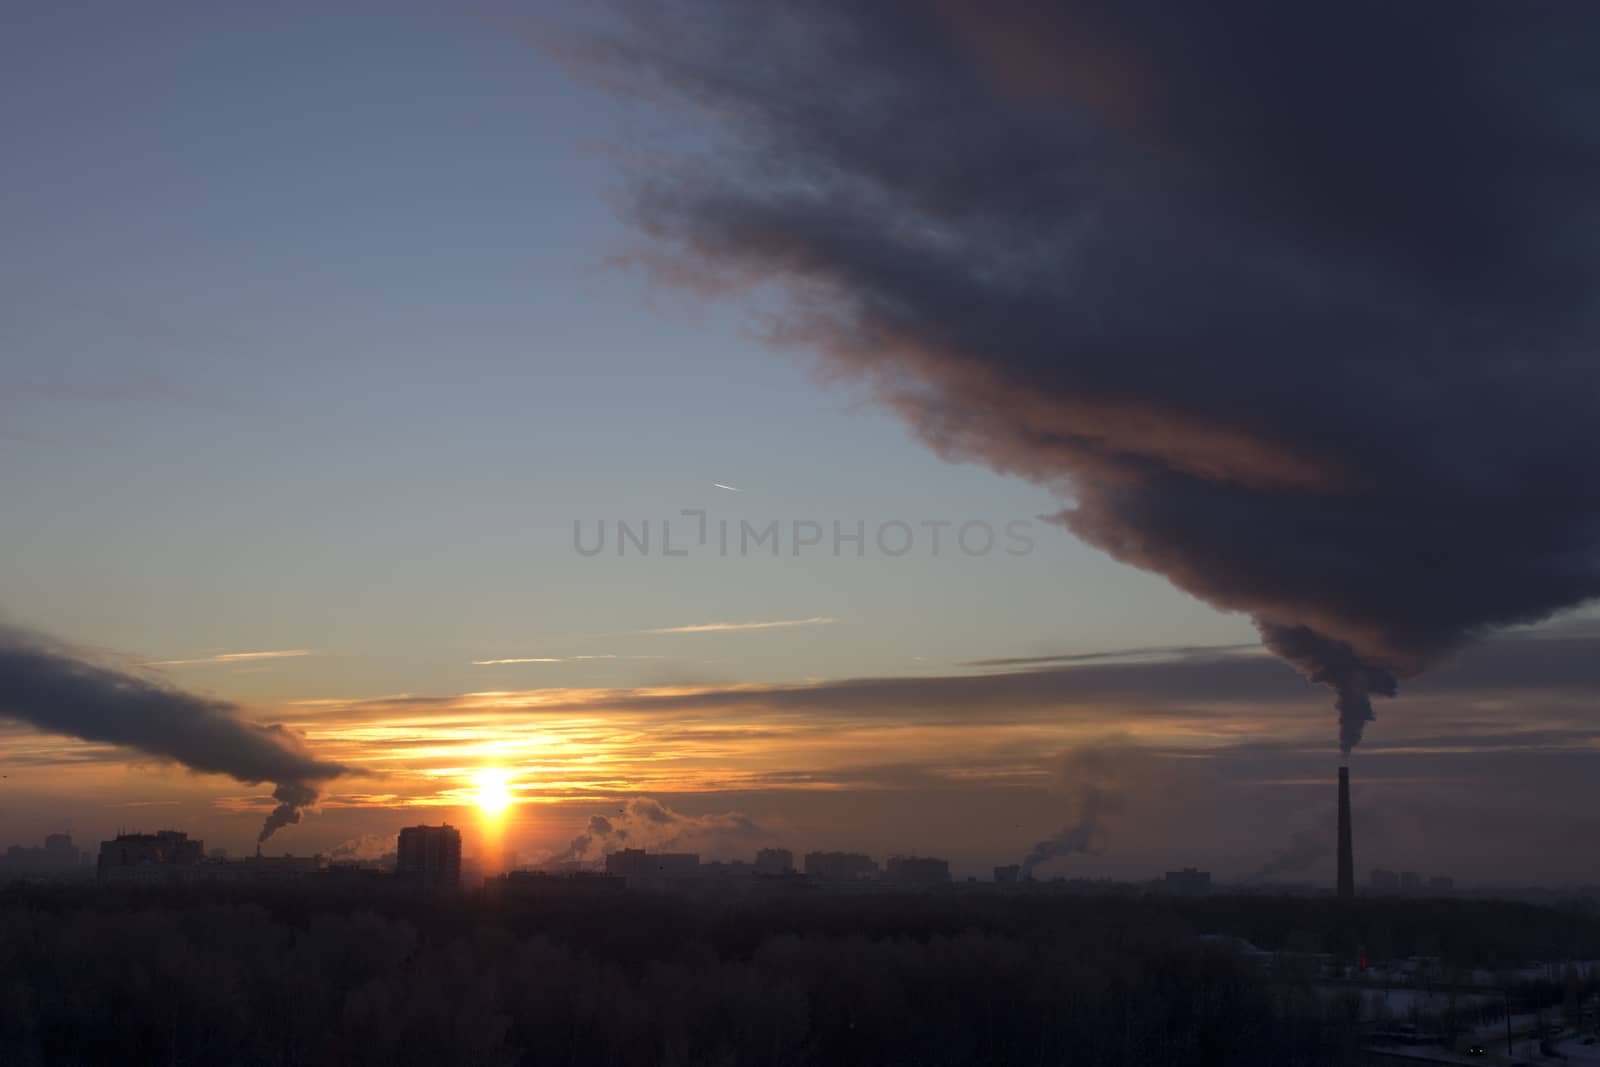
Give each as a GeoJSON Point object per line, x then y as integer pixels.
{"type": "Point", "coordinates": [1347, 863]}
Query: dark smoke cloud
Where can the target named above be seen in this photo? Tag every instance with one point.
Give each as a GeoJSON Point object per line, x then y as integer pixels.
{"type": "Point", "coordinates": [291, 797]}
{"type": "Point", "coordinates": [1293, 303]}
{"type": "Point", "coordinates": [1335, 665]}
{"type": "Point", "coordinates": [53, 690]}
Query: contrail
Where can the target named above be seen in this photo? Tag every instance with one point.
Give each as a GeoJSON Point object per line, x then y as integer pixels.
{"type": "Point", "coordinates": [729, 488]}
{"type": "Point", "coordinates": [725, 627]}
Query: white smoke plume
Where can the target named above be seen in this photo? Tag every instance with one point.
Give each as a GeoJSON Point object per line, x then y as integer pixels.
{"type": "Point", "coordinates": [644, 822]}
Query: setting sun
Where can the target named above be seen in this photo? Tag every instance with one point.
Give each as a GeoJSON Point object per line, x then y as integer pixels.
{"type": "Point", "coordinates": [494, 791]}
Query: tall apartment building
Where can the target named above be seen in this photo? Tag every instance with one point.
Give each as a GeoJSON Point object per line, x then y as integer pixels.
{"type": "Point", "coordinates": [429, 857]}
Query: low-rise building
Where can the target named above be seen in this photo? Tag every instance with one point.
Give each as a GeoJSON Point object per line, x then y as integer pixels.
{"type": "Point", "coordinates": [546, 884]}
{"type": "Point", "coordinates": [1189, 881]}
{"type": "Point", "coordinates": [840, 866]}
{"type": "Point", "coordinates": [774, 861]}
{"type": "Point", "coordinates": [640, 867]}
{"type": "Point", "coordinates": [58, 859]}
{"type": "Point", "coordinates": [167, 855]}
{"type": "Point", "coordinates": [918, 871]}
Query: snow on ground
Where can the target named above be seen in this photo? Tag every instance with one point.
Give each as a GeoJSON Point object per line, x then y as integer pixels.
{"type": "Point", "coordinates": [1576, 1051]}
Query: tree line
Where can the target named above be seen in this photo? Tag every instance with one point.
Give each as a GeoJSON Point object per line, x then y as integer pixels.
{"type": "Point", "coordinates": [280, 976]}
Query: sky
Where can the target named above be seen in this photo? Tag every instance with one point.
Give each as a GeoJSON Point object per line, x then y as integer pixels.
{"type": "Point", "coordinates": [335, 340]}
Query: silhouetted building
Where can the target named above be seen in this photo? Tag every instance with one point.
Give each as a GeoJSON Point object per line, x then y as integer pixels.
{"type": "Point", "coordinates": [278, 868]}
{"type": "Point", "coordinates": [727, 870]}
{"type": "Point", "coordinates": [1347, 861]}
{"type": "Point", "coordinates": [1010, 874]}
{"type": "Point", "coordinates": [918, 871]}
{"type": "Point", "coordinates": [1189, 881]}
{"type": "Point", "coordinates": [1410, 881]}
{"type": "Point", "coordinates": [59, 858]}
{"type": "Point", "coordinates": [774, 861]}
{"type": "Point", "coordinates": [157, 857]}
{"type": "Point", "coordinates": [545, 884]}
{"type": "Point", "coordinates": [59, 847]}
{"type": "Point", "coordinates": [1385, 881]}
{"type": "Point", "coordinates": [641, 867]}
{"type": "Point", "coordinates": [429, 857]}
{"type": "Point", "coordinates": [1441, 883]}
{"type": "Point", "coordinates": [351, 877]}
{"type": "Point", "coordinates": [840, 866]}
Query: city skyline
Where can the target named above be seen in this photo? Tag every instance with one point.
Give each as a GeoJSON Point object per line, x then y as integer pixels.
{"type": "Point", "coordinates": [427, 858]}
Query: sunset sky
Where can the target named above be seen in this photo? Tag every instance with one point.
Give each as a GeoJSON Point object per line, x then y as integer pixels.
{"type": "Point", "coordinates": [327, 332]}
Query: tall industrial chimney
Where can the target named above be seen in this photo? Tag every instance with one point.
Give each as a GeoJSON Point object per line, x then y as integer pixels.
{"type": "Point", "coordinates": [1347, 863]}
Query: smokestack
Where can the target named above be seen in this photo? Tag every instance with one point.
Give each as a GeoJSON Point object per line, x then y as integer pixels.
{"type": "Point", "coordinates": [1347, 863]}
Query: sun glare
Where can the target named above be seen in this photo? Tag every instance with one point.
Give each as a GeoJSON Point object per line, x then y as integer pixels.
{"type": "Point", "coordinates": [494, 791]}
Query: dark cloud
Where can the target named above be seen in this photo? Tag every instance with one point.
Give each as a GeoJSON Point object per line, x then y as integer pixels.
{"type": "Point", "coordinates": [1293, 303]}
{"type": "Point", "coordinates": [53, 690]}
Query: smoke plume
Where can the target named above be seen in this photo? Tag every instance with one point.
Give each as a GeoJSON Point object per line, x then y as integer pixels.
{"type": "Point", "coordinates": [647, 823]}
{"type": "Point", "coordinates": [1336, 665]}
{"type": "Point", "coordinates": [53, 690]}
{"type": "Point", "coordinates": [291, 797]}
{"type": "Point", "coordinates": [1319, 347]}
{"type": "Point", "coordinates": [366, 849]}
{"type": "Point", "coordinates": [1306, 848]}
{"type": "Point", "coordinates": [1102, 780]}
{"type": "Point", "coordinates": [1088, 835]}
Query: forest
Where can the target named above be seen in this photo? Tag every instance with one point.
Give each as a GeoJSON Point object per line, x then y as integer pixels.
{"type": "Point", "coordinates": [284, 975]}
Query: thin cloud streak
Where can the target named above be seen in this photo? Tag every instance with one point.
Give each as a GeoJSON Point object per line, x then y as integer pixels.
{"type": "Point", "coordinates": [1155, 653]}
{"type": "Point", "coordinates": [554, 659]}
{"type": "Point", "coordinates": [727, 627]}
{"type": "Point", "coordinates": [232, 657]}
